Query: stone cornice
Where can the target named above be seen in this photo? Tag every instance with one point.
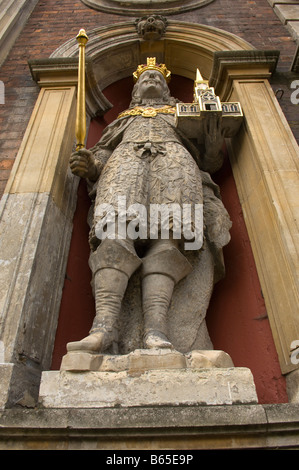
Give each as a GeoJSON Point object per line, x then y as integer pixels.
{"type": "Point", "coordinates": [58, 71]}
{"type": "Point", "coordinates": [166, 7]}
{"type": "Point", "coordinates": [229, 65]}
{"type": "Point", "coordinates": [273, 426]}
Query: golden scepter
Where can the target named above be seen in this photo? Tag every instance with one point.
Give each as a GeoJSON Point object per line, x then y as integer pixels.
{"type": "Point", "coordinates": [82, 39]}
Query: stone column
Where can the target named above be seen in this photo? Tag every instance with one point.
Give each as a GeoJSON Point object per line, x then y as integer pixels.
{"type": "Point", "coordinates": [264, 159]}
{"type": "Point", "coordinates": [36, 214]}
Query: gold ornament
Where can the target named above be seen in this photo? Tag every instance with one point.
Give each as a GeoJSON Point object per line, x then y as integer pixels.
{"type": "Point", "coordinates": [147, 112]}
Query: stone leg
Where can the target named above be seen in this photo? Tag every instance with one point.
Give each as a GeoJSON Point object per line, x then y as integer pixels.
{"type": "Point", "coordinates": [163, 268]}
{"type": "Point", "coordinates": [112, 265]}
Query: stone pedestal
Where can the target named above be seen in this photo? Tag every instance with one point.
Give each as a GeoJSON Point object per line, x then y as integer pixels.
{"type": "Point", "coordinates": [146, 378]}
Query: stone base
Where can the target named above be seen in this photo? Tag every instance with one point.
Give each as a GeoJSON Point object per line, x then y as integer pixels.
{"type": "Point", "coordinates": [176, 429]}
{"type": "Point", "coordinates": [147, 378]}
{"type": "Point", "coordinates": [19, 385]}
{"type": "Point", "coordinates": [144, 359]}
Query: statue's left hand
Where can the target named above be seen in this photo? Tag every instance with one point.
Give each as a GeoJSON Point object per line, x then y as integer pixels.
{"type": "Point", "coordinates": [213, 134]}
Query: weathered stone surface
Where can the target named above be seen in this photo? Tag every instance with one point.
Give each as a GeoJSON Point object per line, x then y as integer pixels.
{"type": "Point", "coordinates": [146, 377]}
{"type": "Point", "coordinates": [138, 360]}
{"type": "Point", "coordinates": [32, 266]}
{"type": "Point", "coordinates": [81, 361]}
{"type": "Point", "coordinates": [293, 386]}
{"type": "Point", "coordinates": [251, 426]}
{"type": "Point", "coordinates": [19, 384]}
{"type": "Point", "coordinates": [217, 386]}
{"type": "Point", "coordinates": [293, 27]}
{"type": "Point", "coordinates": [203, 359]}
{"type": "Point", "coordinates": [5, 374]}
{"type": "Point", "coordinates": [144, 359]}
{"type": "Point", "coordinates": [287, 12]}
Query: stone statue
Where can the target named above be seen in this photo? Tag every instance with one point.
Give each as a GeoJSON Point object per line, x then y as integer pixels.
{"type": "Point", "coordinates": [144, 161]}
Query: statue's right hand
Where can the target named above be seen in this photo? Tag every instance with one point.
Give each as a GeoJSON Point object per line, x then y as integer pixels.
{"type": "Point", "coordinates": [81, 163]}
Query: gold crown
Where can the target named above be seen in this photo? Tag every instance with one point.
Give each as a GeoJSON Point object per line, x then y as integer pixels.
{"type": "Point", "coordinates": [152, 65]}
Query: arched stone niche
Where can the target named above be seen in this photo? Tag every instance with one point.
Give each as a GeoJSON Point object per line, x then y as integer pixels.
{"type": "Point", "coordinates": [145, 7]}
{"type": "Point", "coordinates": [238, 72]}
{"type": "Point", "coordinates": [264, 159]}
{"type": "Point", "coordinates": [115, 50]}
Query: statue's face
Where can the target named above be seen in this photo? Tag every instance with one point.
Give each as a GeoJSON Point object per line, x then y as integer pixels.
{"type": "Point", "coordinates": [151, 84]}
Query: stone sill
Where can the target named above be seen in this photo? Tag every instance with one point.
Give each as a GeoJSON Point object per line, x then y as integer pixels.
{"type": "Point", "coordinates": [143, 428]}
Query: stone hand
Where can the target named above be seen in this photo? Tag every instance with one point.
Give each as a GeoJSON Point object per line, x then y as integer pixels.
{"type": "Point", "coordinates": [82, 164]}
{"type": "Point", "coordinates": [213, 134]}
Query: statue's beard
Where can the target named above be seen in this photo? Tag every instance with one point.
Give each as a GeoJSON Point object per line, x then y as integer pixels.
{"type": "Point", "coordinates": [152, 101]}
{"type": "Point", "coordinates": [160, 101]}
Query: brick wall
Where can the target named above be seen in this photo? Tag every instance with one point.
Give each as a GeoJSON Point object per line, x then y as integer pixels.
{"type": "Point", "coordinates": [55, 21]}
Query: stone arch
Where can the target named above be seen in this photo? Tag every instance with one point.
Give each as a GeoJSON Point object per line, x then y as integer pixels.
{"type": "Point", "coordinates": [146, 7]}
{"type": "Point", "coordinates": [116, 49]}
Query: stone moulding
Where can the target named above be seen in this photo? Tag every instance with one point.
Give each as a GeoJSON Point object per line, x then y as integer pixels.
{"type": "Point", "coordinates": [295, 63]}
{"type": "Point", "coordinates": [14, 15]}
{"type": "Point", "coordinates": [253, 61]}
{"type": "Point", "coordinates": [146, 428]}
{"type": "Point", "coordinates": [145, 7]}
{"type": "Point", "coordinates": [184, 47]}
{"type": "Point", "coordinates": [96, 103]}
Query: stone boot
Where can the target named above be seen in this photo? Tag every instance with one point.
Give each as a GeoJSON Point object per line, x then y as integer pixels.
{"type": "Point", "coordinates": [157, 291]}
{"type": "Point", "coordinates": [112, 265]}
{"type": "Point", "coordinates": [162, 269]}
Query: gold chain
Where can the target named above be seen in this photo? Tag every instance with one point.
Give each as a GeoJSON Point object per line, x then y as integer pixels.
{"type": "Point", "coordinates": [147, 112]}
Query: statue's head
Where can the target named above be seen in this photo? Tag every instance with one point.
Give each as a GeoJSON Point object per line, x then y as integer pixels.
{"type": "Point", "coordinates": [152, 65]}
{"type": "Point", "coordinates": [151, 82]}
